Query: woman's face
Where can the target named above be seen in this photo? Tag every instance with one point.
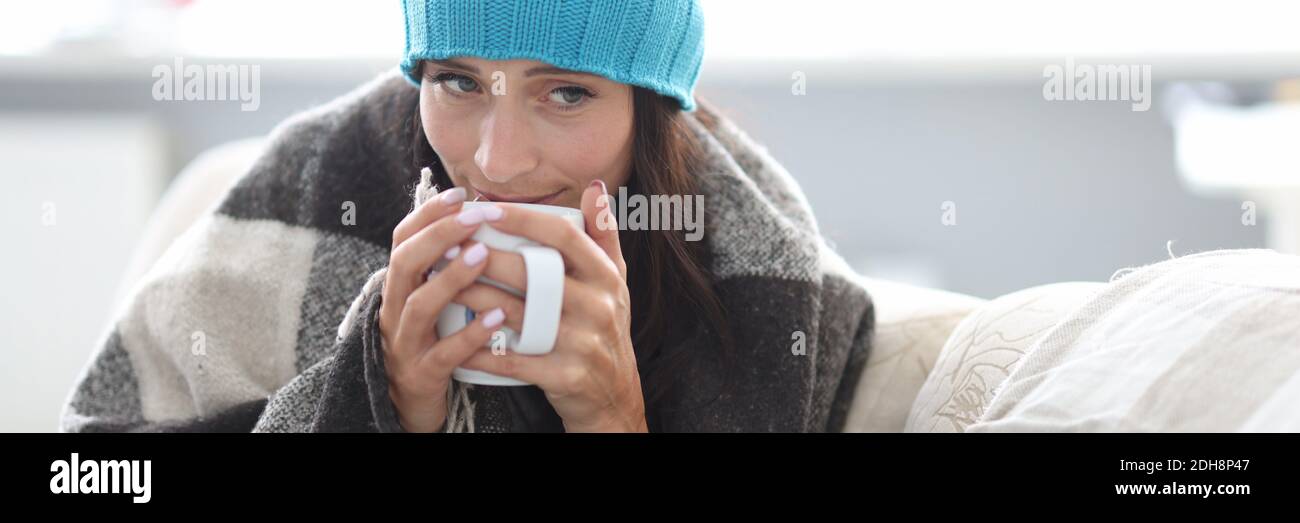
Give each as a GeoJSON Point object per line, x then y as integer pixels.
{"type": "Point", "coordinates": [522, 131]}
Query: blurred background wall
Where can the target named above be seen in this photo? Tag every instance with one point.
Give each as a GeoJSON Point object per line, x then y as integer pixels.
{"type": "Point", "coordinates": [904, 108]}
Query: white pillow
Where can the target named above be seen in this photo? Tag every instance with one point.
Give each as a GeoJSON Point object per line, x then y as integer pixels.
{"type": "Point", "coordinates": [1208, 342]}
{"type": "Point", "coordinates": [982, 351]}
{"type": "Point", "coordinates": [912, 324]}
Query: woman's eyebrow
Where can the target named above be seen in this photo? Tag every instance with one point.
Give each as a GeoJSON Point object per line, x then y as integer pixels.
{"type": "Point", "coordinates": [543, 69]}
{"type": "Point", "coordinates": [553, 70]}
{"type": "Point", "coordinates": [454, 63]}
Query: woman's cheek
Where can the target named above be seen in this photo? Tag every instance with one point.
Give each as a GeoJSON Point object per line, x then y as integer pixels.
{"type": "Point", "coordinates": [450, 140]}
{"type": "Point", "coordinates": [589, 156]}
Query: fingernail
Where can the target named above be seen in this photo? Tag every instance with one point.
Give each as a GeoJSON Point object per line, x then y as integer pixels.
{"type": "Point", "coordinates": [452, 196]}
{"type": "Point", "coordinates": [475, 254]}
{"type": "Point", "coordinates": [469, 217]}
{"type": "Point", "coordinates": [601, 183]}
{"type": "Point", "coordinates": [493, 317]}
{"type": "Point", "coordinates": [492, 213]}
{"type": "Point", "coordinates": [453, 252]}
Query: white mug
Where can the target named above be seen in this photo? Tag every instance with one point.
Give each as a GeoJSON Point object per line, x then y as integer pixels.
{"type": "Point", "coordinates": [542, 299]}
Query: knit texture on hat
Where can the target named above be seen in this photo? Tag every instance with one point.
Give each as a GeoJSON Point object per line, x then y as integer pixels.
{"type": "Point", "coordinates": [657, 44]}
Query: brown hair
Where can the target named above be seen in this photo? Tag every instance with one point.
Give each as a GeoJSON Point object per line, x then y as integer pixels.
{"type": "Point", "coordinates": [668, 277]}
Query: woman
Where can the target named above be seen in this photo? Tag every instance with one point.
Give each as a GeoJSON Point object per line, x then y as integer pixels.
{"type": "Point", "coordinates": [246, 324]}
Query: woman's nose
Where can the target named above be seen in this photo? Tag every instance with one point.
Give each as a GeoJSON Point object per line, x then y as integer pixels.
{"type": "Point", "coordinates": [506, 148]}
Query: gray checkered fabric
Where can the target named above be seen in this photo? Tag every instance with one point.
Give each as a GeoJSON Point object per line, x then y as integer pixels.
{"type": "Point", "coordinates": [263, 315]}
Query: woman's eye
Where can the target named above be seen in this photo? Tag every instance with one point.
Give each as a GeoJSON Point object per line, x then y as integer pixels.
{"type": "Point", "coordinates": [570, 96]}
{"type": "Point", "coordinates": [459, 83]}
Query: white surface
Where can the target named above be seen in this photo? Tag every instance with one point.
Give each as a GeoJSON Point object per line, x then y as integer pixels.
{"type": "Point", "coordinates": [733, 28]}
{"type": "Point", "coordinates": [1202, 343]}
{"type": "Point", "coordinates": [545, 297]}
{"type": "Point", "coordinates": [1230, 148]}
{"type": "Point", "coordinates": [99, 176]}
{"type": "Point", "coordinates": [1249, 152]}
{"type": "Point", "coordinates": [984, 349]}
{"type": "Point", "coordinates": [995, 28]}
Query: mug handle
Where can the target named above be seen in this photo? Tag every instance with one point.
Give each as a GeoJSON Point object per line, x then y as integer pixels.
{"type": "Point", "coordinates": [543, 299]}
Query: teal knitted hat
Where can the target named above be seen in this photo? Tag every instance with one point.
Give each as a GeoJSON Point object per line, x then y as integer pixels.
{"type": "Point", "coordinates": [657, 44]}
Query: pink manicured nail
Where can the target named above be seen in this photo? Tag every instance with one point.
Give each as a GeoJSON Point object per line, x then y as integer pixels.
{"type": "Point", "coordinates": [469, 217]}
{"type": "Point", "coordinates": [475, 254]}
{"type": "Point", "coordinates": [453, 252]}
{"type": "Point", "coordinates": [492, 213]}
{"type": "Point", "coordinates": [452, 196]}
{"type": "Point", "coordinates": [493, 318]}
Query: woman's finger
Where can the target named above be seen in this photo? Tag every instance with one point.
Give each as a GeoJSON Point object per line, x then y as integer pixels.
{"type": "Point", "coordinates": [411, 261]}
{"type": "Point", "coordinates": [396, 289]}
{"type": "Point", "coordinates": [602, 228]}
{"type": "Point", "coordinates": [581, 254]}
{"type": "Point", "coordinates": [439, 361]}
{"type": "Point", "coordinates": [523, 367]}
{"type": "Point", "coordinates": [419, 318]}
{"type": "Point", "coordinates": [507, 268]}
{"type": "Point", "coordinates": [446, 202]}
{"type": "Point", "coordinates": [482, 297]}
{"type": "Point", "coordinates": [587, 305]}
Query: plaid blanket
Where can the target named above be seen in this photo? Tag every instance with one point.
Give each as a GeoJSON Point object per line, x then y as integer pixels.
{"type": "Point", "coordinates": [263, 315]}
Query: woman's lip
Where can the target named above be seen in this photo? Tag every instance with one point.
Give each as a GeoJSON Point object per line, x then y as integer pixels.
{"type": "Point", "coordinates": [518, 199]}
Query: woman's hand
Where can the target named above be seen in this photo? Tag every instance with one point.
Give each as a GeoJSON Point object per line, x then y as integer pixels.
{"type": "Point", "coordinates": [590, 377]}
{"type": "Point", "coordinates": [418, 364]}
